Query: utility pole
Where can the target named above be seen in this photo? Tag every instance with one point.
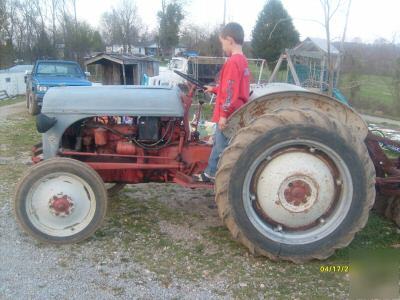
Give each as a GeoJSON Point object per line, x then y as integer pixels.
{"type": "Point", "coordinates": [224, 12]}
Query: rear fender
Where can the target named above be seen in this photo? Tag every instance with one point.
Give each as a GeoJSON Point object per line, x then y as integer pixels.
{"type": "Point", "coordinates": [269, 103]}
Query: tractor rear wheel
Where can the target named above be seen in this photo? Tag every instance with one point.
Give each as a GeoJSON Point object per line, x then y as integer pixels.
{"type": "Point", "coordinates": [60, 201]}
{"type": "Point", "coordinates": [295, 185]}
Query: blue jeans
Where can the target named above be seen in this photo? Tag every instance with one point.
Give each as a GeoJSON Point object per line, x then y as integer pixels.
{"type": "Point", "coordinates": [220, 143]}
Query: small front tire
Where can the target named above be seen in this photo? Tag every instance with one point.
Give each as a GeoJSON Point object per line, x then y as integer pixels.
{"type": "Point", "coordinates": [60, 201]}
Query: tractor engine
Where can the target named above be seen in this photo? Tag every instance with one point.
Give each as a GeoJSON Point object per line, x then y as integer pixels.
{"type": "Point", "coordinates": [123, 135]}
{"type": "Point", "coordinates": [117, 140]}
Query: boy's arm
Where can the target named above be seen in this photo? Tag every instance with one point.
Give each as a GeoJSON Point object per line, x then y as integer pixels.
{"type": "Point", "coordinates": [230, 85]}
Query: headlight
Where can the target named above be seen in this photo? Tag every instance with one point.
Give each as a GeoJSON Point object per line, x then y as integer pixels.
{"type": "Point", "coordinates": [42, 88]}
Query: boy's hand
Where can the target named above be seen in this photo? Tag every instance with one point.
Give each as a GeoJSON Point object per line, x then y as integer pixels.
{"type": "Point", "coordinates": [222, 123]}
{"type": "Point", "coordinates": [208, 88]}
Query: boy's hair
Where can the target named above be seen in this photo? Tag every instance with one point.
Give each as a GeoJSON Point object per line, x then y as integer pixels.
{"type": "Point", "coordinates": [233, 30]}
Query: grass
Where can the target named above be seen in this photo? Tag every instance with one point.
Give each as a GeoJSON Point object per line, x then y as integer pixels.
{"type": "Point", "coordinates": [18, 134]}
{"type": "Point", "coordinates": [375, 96]}
{"type": "Point", "coordinates": [133, 230]}
{"type": "Point", "coordinates": [255, 71]}
{"type": "Point", "coordinates": [12, 100]}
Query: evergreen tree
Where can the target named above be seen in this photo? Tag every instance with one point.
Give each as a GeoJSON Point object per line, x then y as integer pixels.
{"type": "Point", "coordinates": [273, 32]}
{"type": "Point", "coordinates": [170, 18]}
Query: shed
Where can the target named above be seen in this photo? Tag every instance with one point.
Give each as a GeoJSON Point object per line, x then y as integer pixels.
{"type": "Point", "coordinates": [12, 80]}
{"type": "Point", "coordinates": [307, 63]}
{"type": "Point", "coordinates": [117, 68]}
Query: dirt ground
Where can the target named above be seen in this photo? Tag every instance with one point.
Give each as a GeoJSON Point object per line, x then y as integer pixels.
{"type": "Point", "coordinates": [159, 241]}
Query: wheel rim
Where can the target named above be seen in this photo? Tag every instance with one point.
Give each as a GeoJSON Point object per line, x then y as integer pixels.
{"type": "Point", "coordinates": [297, 192]}
{"type": "Point", "coordinates": [60, 204]}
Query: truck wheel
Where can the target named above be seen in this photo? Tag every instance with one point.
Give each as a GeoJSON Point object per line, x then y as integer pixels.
{"type": "Point", "coordinates": [60, 201]}
{"type": "Point", "coordinates": [113, 189]}
{"type": "Point", "coordinates": [295, 185]}
{"type": "Point", "coordinates": [33, 106]}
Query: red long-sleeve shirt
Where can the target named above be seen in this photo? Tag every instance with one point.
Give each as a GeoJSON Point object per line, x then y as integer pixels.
{"type": "Point", "coordinates": [233, 88]}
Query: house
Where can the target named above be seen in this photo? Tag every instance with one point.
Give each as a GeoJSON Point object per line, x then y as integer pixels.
{"type": "Point", "coordinates": [143, 48]}
{"type": "Point", "coordinates": [12, 80]}
{"type": "Point", "coordinates": [117, 68]}
{"type": "Point", "coordinates": [147, 48]}
{"type": "Point", "coordinates": [180, 49]}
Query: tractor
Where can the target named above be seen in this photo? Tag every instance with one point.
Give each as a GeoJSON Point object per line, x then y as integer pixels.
{"type": "Point", "coordinates": [296, 182]}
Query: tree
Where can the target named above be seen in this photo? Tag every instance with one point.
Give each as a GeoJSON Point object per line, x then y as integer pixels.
{"type": "Point", "coordinates": [202, 39]}
{"type": "Point", "coordinates": [170, 18]}
{"type": "Point", "coordinates": [43, 47]}
{"type": "Point", "coordinates": [122, 25]}
{"type": "Point", "coordinates": [274, 31]}
{"type": "Point", "coordinates": [81, 40]}
{"type": "Point", "coordinates": [330, 7]}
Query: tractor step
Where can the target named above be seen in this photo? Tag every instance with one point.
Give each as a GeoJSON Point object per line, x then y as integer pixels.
{"type": "Point", "coordinates": [187, 181]}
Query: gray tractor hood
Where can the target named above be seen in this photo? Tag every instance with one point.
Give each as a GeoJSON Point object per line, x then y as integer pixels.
{"type": "Point", "coordinates": [113, 100]}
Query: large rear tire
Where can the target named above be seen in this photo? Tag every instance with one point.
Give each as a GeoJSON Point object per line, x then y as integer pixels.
{"type": "Point", "coordinates": [60, 201]}
{"type": "Point", "coordinates": [295, 185]}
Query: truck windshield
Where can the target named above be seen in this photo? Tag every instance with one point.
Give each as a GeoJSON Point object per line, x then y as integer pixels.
{"type": "Point", "coordinates": [59, 69]}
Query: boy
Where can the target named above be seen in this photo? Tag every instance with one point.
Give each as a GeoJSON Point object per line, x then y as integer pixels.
{"type": "Point", "coordinates": [232, 92]}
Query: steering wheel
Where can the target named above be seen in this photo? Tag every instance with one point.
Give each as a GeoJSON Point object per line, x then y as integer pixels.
{"type": "Point", "coordinates": [191, 79]}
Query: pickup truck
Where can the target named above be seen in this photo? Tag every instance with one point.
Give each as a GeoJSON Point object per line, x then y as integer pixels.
{"type": "Point", "coordinates": [50, 73]}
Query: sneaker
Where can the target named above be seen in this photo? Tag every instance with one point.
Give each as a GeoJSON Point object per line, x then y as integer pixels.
{"type": "Point", "coordinates": [203, 177]}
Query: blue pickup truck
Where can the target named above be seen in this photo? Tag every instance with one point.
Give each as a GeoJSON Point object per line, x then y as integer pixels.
{"type": "Point", "coordinates": [49, 73]}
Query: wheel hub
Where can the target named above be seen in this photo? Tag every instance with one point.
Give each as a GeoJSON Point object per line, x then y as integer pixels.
{"type": "Point", "coordinates": [61, 205]}
{"type": "Point", "coordinates": [294, 189]}
{"type": "Point", "coordinates": [297, 193]}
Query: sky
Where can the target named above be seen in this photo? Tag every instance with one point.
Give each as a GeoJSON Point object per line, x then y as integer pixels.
{"type": "Point", "coordinates": [368, 20]}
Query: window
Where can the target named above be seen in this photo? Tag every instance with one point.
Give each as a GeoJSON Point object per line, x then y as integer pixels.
{"type": "Point", "coordinates": [59, 69]}
{"type": "Point", "coordinates": [8, 79]}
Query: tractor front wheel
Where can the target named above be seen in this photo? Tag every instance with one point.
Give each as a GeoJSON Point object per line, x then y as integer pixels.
{"type": "Point", "coordinates": [295, 185]}
{"type": "Point", "coordinates": [60, 201]}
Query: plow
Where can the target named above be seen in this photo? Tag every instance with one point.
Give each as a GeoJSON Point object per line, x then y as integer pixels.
{"type": "Point", "coordinates": [296, 182]}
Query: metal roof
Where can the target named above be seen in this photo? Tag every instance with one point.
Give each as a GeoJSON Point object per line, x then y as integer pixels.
{"type": "Point", "coordinates": [17, 69]}
{"type": "Point", "coordinates": [313, 45]}
{"type": "Point", "coordinates": [126, 59]}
